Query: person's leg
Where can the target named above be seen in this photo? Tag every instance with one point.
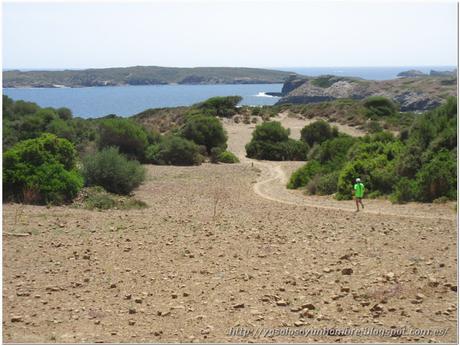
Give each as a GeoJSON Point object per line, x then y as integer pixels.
{"type": "Point", "coordinates": [357, 203]}
{"type": "Point", "coordinates": [361, 202]}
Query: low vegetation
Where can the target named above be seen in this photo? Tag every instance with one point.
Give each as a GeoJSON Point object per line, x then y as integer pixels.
{"type": "Point", "coordinates": [97, 198]}
{"type": "Point", "coordinates": [418, 165]}
{"type": "Point", "coordinates": [270, 141]}
{"type": "Point", "coordinates": [113, 171]}
{"type": "Point", "coordinates": [41, 171]}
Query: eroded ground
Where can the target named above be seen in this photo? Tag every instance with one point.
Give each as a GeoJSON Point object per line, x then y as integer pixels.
{"type": "Point", "coordinates": [210, 254]}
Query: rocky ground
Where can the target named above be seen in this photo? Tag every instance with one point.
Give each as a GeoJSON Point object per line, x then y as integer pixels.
{"type": "Point", "coordinates": [221, 247]}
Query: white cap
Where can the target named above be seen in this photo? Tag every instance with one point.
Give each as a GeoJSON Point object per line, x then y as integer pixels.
{"type": "Point", "coordinates": [358, 180]}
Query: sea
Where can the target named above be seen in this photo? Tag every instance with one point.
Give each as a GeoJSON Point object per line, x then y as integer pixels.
{"type": "Point", "coordinates": [94, 102]}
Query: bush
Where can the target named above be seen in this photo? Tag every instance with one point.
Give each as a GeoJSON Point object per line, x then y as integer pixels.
{"type": "Point", "coordinates": [129, 137]}
{"type": "Point", "coordinates": [270, 141]}
{"type": "Point", "coordinates": [215, 152]}
{"type": "Point", "coordinates": [270, 131]}
{"type": "Point", "coordinates": [174, 150]}
{"type": "Point", "coordinates": [317, 132]}
{"type": "Point", "coordinates": [327, 184]}
{"type": "Point", "coordinates": [97, 198]}
{"type": "Point", "coordinates": [302, 176]}
{"type": "Point", "coordinates": [205, 130]}
{"type": "Point", "coordinates": [228, 157]}
{"type": "Point", "coordinates": [290, 150]}
{"type": "Point", "coordinates": [380, 106]}
{"type": "Point", "coordinates": [113, 171]}
{"type": "Point", "coordinates": [405, 191]}
{"type": "Point", "coordinates": [437, 178]}
{"type": "Point", "coordinates": [41, 170]}
{"type": "Point", "coordinates": [223, 106]}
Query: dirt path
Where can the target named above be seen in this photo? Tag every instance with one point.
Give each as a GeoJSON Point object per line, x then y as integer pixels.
{"type": "Point", "coordinates": [275, 175]}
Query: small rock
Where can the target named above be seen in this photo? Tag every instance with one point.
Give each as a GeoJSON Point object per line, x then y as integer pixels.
{"type": "Point", "coordinates": [298, 323]}
{"type": "Point", "coordinates": [17, 318]}
{"type": "Point", "coordinates": [132, 311]}
{"type": "Point", "coordinates": [347, 271]}
{"type": "Point", "coordinates": [281, 302]}
{"type": "Point", "coordinates": [113, 285]}
{"type": "Point", "coordinates": [128, 296]}
{"type": "Point", "coordinates": [308, 306]}
{"type": "Point", "coordinates": [327, 270]}
{"type": "Point", "coordinates": [238, 306]}
{"type": "Point", "coordinates": [138, 300]}
{"type": "Point", "coordinates": [131, 322]}
{"type": "Point", "coordinates": [432, 282]}
{"type": "Point", "coordinates": [420, 296]}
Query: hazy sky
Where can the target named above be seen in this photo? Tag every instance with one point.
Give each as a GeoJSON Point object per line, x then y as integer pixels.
{"type": "Point", "coordinates": [237, 33]}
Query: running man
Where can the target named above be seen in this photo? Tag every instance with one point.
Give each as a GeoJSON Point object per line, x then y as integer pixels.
{"type": "Point", "coordinates": [359, 193]}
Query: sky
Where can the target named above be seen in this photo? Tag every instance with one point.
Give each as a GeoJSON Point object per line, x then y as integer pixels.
{"type": "Point", "coordinates": [58, 35]}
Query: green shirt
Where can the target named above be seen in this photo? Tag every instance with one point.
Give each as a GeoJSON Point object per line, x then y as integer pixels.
{"type": "Point", "coordinates": [359, 190]}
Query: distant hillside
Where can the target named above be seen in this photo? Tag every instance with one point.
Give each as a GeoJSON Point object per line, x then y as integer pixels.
{"type": "Point", "coordinates": [412, 94]}
{"type": "Point", "coordinates": [142, 75]}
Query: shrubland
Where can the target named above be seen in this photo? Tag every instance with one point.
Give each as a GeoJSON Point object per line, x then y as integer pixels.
{"type": "Point", "coordinates": [417, 165]}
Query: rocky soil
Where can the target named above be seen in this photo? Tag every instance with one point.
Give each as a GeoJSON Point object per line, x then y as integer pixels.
{"type": "Point", "coordinates": [221, 247]}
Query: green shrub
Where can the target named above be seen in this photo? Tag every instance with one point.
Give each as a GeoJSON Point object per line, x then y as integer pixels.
{"type": "Point", "coordinates": [222, 106]}
{"type": "Point", "coordinates": [129, 137]}
{"type": "Point", "coordinates": [380, 106]}
{"type": "Point", "coordinates": [270, 141]}
{"type": "Point", "coordinates": [437, 178]}
{"type": "Point", "coordinates": [97, 198]}
{"type": "Point", "coordinates": [405, 191]}
{"type": "Point", "coordinates": [302, 176]}
{"type": "Point", "coordinates": [174, 150]}
{"type": "Point", "coordinates": [205, 130]}
{"type": "Point", "coordinates": [215, 152]}
{"type": "Point", "coordinates": [227, 157]}
{"type": "Point", "coordinates": [270, 131]}
{"type": "Point", "coordinates": [288, 150]}
{"type": "Point", "coordinates": [317, 132]}
{"type": "Point", "coordinates": [113, 171]}
{"type": "Point", "coordinates": [41, 170]}
{"type": "Point", "coordinates": [327, 184]}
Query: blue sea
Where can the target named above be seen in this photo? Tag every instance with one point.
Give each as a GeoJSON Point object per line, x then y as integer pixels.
{"type": "Point", "coordinates": [95, 102]}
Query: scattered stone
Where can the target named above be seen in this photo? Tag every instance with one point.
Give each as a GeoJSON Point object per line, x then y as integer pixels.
{"type": "Point", "coordinates": [327, 270]}
{"type": "Point", "coordinates": [138, 300]}
{"type": "Point", "coordinates": [128, 296]}
{"type": "Point", "coordinates": [238, 306]}
{"type": "Point", "coordinates": [281, 302]}
{"type": "Point", "coordinates": [113, 285]}
{"type": "Point", "coordinates": [308, 306]}
{"type": "Point", "coordinates": [132, 311]}
{"type": "Point", "coordinates": [347, 271]}
{"type": "Point", "coordinates": [131, 322]}
{"type": "Point", "coordinates": [420, 296]}
{"type": "Point", "coordinates": [433, 282]}
{"type": "Point", "coordinates": [17, 318]}
{"type": "Point", "coordinates": [307, 313]}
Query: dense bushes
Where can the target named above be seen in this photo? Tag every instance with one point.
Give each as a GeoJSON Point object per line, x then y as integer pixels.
{"type": "Point", "coordinates": [318, 132]}
{"type": "Point", "coordinates": [302, 176]}
{"type": "Point", "coordinates": [174, 150]}
{"type": "Point", "coordinates": [113, 171]}
{"type": "Point", "coordinates": [222, 106]}
{"type": "Point", "coordinates": [270, 141]}
{"type": "Point", "coordinates": [128, 136]}
{"type": "Point", "coordinates": [205, 130]}
{"type": "Point", "coordinates": [224, 156]}
{"type": "Point", "coordinates": [380, 106]}
{"type": "Point", "coordinates": [420, 165]}
{"type": "Point", "coordinates": [41, 170]}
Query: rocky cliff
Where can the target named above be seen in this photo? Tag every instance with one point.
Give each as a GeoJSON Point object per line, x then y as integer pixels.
{"type": "Point", "coordinates": [412, 94]}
